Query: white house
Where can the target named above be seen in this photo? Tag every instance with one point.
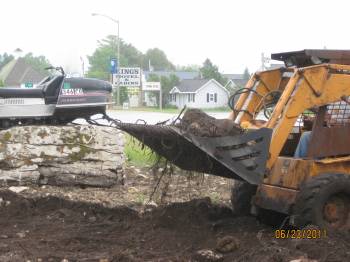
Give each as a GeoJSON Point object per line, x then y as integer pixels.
{"type": "Point", "coordinates": [199, 93]}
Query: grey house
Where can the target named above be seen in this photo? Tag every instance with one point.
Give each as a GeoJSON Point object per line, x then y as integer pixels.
{"type": "Point", "coordinates": [199, 93]}
{"type": "Point", "coordinates": [235, 82]}
{"type": "Point", "coordinates": [17, 73]}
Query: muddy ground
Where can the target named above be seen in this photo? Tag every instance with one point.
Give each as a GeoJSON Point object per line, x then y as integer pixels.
{"type": "Point", "coordinates": [187, 220]}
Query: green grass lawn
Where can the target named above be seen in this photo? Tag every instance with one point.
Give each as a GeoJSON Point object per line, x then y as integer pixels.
{"type": "Point", "coordinates": [170, 110]}
{"type": "Point", "coordinates": [136, 155]}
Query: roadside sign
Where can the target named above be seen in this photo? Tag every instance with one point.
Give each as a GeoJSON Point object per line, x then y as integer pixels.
{"type": "Point", "coordinates": [114, 66]}
{"type": "Point", "coordinates": [151, 86]}
{"type": "Point", "coordinates": [28, 85]}
{"type": "Point", "coordinates": [128, 76]}
{"type": "Point", "coordinates": [133, 90]}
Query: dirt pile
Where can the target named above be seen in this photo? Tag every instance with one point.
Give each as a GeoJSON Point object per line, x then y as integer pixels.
{"type": "Point", "coordinates": [53, 229]}
{"type": "Point", "coordinates": [198, 123]}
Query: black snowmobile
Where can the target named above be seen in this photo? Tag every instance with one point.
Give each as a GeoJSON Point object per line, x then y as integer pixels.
{"type": "Point", "coordinates": [56, 100]}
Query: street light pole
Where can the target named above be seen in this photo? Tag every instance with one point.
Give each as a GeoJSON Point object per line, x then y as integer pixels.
{"type": "Point", "coordinates": [118, 51]}
{"type": "Point", "coordinates": [118, 65]}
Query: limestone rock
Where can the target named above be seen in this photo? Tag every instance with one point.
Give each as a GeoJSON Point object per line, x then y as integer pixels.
{"type": "Point", "coordinates": [61, 155]}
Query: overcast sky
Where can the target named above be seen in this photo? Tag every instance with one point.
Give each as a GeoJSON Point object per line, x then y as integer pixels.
{"type": "Point", "coordinates": [233, 34]}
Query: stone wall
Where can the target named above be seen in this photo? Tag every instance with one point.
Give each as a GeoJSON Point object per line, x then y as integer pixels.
{"type": "Point", "coordinates": [61, 155]}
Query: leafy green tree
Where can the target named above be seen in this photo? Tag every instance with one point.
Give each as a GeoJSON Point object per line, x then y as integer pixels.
{"type": "Point", "coordinates": [246, 74]}
{"type": "Point", "coordinates": [153, 78]}
{"type": "Point", "coordinates": [167, 84]}
{"type": "Point", "coordinates": [158, 60]}
{"type": "Point", "coordinates": [4, 59]}
{"type": "Point", "coordinates": [39, 63]}
{"type": "Point", "coordinates": [130, 55]}
{"type": "Point", "coordinates": [1, 83]}
{"type": "Point", "coordinates": [99, 60]}
{"type": "Point", "coordinates": [209, 71]}
{"type": "Point", "coordinates": [107, 49]}
{"type": "Point", "coordinates": [123, 96]}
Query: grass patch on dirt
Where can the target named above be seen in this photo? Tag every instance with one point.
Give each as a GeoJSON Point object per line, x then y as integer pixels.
{"type": "Point", "coordinates": [136, 154]}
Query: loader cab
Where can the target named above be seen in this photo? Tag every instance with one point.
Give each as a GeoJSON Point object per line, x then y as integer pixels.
{"type": "Point", "coordinates": [329, 126]}
{"type": "Point", "coordinates": [330, 131]}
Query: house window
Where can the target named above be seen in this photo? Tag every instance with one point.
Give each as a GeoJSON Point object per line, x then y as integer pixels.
{"type": "Point", "coordinates": [211, 97]}
{"type": "Point", "coordinates": [190, 97]}
{"type": "Point", "coordinates": [174, 97]}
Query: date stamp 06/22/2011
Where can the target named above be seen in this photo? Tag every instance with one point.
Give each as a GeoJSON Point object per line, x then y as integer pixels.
{"type": "Point", "coordinates": [300, 233]}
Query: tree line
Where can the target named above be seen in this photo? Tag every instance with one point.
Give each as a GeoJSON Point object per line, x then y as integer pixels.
{"type": "Point", "coordinates": [153, 59]}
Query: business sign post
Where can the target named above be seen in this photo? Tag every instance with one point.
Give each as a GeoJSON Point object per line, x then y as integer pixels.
{"type": "Point", "coordinates": [153, 86]}
{"type": "Point", "coordinates": [114, 66]}
{"type": "Point", "coordinates": [28, 85]}
{"type": "Point", "coordinates": [133, 90]}
{"type": "Point", "coordinates": [128, 76]}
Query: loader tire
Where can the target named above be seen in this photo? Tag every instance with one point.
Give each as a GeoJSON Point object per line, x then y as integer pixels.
{"type": "Point", "coordinates": [241, 196]}
{"type": "Point", "coordinates": [324, 201]}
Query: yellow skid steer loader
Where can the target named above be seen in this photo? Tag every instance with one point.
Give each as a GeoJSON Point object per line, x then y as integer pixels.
{"type": "Point", "coordinates": [308, 97]}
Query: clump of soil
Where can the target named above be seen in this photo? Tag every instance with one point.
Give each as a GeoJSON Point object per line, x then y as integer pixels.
{"type": "Point", "coordinates": [197, 122]}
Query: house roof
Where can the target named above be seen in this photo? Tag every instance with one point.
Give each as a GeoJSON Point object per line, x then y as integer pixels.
{"type": "Point", "coordinates": [191, 85]}
{"type": "Point", "coordinates": [240, 82]}
{"type": "Point", "coordinates": [234, 76]}
{"type": "Point", "coordinates": [194, 85]}
{"type": "Point", "coordinates": [17, 72]}
{"type": "Point", "coordinates": [6, 69]}
{"type": "Point", "coordinates": [180, 74]}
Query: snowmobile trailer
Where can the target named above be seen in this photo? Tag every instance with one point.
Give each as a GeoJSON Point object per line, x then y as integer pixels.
{"type": "Point", "coordinates": [56, 100]}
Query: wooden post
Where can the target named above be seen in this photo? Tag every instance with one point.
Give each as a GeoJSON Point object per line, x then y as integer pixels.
{"type": "Point", "coordinates": [160, 97]}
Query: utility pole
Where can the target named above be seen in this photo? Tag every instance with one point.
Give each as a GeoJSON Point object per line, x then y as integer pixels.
{"type": "Point", "coordinates": [82, 66]}
{"type": "Point", "coordinates": [118, 64]}
{"type": "Point", "coordinates": [160, 97]}
{"type": "Point", "coordinates": [118, 52]}
{"type": "Point", "coordinates": [262, 61]}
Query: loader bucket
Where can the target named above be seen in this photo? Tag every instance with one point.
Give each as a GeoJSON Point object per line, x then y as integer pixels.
{"type": "Point", "coordinates": [241, 157]}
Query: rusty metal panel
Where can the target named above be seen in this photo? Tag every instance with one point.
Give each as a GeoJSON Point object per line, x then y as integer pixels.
{"type": "Point", "coordinates": [290, 172]}
{"type": "Point", "coordinates": [334, 160]}
{"type": "Point", "coordinates": [327, 142]}
{"type": "Point", "coordinates": [331, 167]}
{"type": "Point", "coordinates": [275, 198]}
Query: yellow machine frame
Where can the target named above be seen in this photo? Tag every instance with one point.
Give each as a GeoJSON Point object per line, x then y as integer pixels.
{"type": "Point", "coordinates": [308, 87]}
